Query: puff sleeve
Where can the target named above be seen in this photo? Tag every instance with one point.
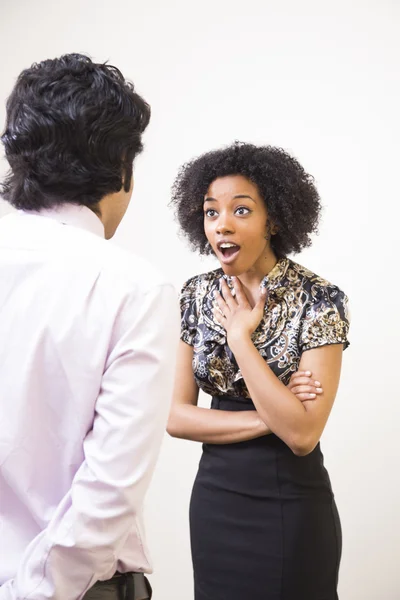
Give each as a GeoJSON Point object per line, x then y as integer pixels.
{"type": "Point", "coordinates": [326, 318]}
{"type": "Point", "coordinates": [188, 308]}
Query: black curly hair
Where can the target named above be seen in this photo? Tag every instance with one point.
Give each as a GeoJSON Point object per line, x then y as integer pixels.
{"type": "Point", "coordinates": [73, 129]}
{"type": "Point", "coordinates": [289, 193]}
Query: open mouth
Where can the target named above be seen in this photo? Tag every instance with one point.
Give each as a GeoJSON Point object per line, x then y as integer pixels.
{"type": "Point", "coordinates": [228, 250]}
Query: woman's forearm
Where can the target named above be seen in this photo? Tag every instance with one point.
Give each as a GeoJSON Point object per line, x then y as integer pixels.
{"type": "Point", "coordinates": [298, 423]}
{"type": "Point", "coordinates": [211, 426]}
{"type": "Point", "coordinates": [275, 403]}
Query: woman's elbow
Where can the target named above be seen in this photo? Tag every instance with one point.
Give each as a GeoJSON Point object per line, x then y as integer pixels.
{"type": "Point", "coordinates": [173, 428]}
{"type": "Point", "coordinates": [303, 445]}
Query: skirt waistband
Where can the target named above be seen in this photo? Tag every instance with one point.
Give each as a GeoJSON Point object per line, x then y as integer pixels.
{"type": "Point", "coordinates": [234, 403]}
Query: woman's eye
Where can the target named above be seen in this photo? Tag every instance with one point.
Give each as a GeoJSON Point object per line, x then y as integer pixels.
{"type": "Point", "coordinates": [242, 210]}
{"type": "Point", "coordinates": [211, 212]}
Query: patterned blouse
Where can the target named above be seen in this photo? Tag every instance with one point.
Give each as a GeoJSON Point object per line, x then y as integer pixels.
{"type": "Point", "coordinates": [302, 311]}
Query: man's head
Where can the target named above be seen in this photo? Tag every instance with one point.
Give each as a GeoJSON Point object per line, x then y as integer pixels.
{"type": "Point", "coordinates": [73, 130]}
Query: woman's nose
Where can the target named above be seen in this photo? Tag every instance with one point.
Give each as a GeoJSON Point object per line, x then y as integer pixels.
{"type": "Point", "coordinates": [224, 225]}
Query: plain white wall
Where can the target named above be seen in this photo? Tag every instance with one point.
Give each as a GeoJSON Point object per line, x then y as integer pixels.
{"type": "Point", "coordinates": [321, 80]}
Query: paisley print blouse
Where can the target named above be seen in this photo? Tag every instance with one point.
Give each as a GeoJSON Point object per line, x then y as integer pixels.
{"type": "Point", "coordinates": [302, 311]}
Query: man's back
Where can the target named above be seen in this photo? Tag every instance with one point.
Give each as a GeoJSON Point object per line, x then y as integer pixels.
{"type": "Point", "coordinates": [85, 330]}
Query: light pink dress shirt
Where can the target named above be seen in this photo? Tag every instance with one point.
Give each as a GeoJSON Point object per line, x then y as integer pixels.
{"type": "Point", "coordinates": [87, 348]}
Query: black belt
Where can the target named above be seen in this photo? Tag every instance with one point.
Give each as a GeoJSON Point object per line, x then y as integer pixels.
{"type": "Point", "coordinates": [129, 586]}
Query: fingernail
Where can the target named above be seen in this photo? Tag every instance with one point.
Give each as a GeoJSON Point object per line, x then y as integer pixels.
{"type": "Point", "coordinates": [312, 395]}
{"type": "Point", "coordinates": [308, 372]}
{"type": "Point", "coordinates": [317, 383]}
{"type": "Point", "coordinates": [319, 390]}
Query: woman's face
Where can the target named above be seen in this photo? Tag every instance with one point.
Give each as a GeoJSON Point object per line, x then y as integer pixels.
{"type": "Point", "coordinates": [235, 224]}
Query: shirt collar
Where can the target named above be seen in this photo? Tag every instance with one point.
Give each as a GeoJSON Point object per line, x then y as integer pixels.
{"type": "Point", "coordinates": [75, 215]}
{"type": "Point", "coordinates": [274, 279]}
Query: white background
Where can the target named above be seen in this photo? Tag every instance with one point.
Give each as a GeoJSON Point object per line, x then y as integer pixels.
{"type": "Point", "coordinates": [320, 79]}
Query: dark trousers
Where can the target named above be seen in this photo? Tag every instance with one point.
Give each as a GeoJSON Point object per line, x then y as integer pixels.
{"type": "Point", "coordinates": [123, 586]}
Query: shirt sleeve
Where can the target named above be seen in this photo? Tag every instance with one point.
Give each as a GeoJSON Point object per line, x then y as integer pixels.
{"type": "Point", "coordinates": [326, 319]}
{"type": "Point", "coordinates": [188, 307]}
{"type": "Point", "coordinates": [91, 524]}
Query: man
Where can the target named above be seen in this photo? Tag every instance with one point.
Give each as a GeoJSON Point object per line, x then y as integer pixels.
{"type": "Point", "coordinates": [88, 337]}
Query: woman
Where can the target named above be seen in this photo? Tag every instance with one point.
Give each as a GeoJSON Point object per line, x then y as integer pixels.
{"type": "Point", "coordinates": [264, 524]}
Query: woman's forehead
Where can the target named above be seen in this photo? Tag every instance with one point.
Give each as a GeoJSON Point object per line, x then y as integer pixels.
{"type": "Point", "coordinates": [226, 188]}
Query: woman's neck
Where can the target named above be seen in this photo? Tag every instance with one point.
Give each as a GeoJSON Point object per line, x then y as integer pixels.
{"type": "Point", "coordinates": [252, 278]}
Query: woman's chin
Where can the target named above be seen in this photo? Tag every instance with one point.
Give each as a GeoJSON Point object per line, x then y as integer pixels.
{"type": "Point", "coordinates": [231, 270]}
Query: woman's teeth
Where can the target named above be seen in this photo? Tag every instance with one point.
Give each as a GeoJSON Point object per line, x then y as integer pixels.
{"type": "Point", "coordinates": [228, 249]}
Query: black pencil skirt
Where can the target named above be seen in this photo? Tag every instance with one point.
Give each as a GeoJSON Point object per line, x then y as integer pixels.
{"type": "Point", "coordinates": [264, 524]}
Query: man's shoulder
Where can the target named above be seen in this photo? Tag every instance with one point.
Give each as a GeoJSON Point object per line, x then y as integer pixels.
{"type": "Point", "coordinates": [120, 270]}
{"type": "Point", "coordinates": [76, 250]}
{"type": "Point", "coordinates": [129, 267]}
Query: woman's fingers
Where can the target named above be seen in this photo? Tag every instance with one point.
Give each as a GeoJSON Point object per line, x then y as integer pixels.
{"type": "Point", "coordinates": [303, 381]}
{"type": "Point", "coordinates": [218, 316]}
{"type": "Point", "coordinates": [219, 303]}
{"type": "Point", "coordinates": [239, 291]}
{"type": "Point", "coordinates": [306, 389]}
{"type": "Point", "coordinates": [229, 300]}
{"type": "Point", "coordinates": [302, 374]}
{"type": "Point", "coordinates": [306, 397]}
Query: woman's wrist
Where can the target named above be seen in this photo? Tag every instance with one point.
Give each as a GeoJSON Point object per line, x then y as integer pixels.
{"type": "Point", "coordinates": [260, 427]}
{"type": "Point", "coordinates": [238, 339]}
